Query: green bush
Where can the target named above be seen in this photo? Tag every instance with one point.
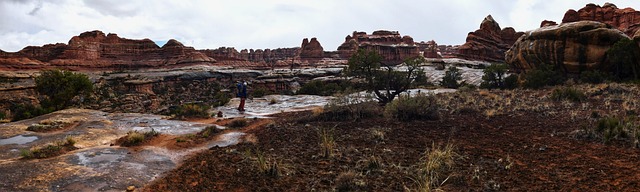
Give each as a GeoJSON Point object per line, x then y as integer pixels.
{"type": "Point", "coordinates": [568, 93]}
{"type": "Point", "coordinates": [238, 123]}
{"type": "Point", "coordinates": [27, 111]}
{"type": "Point", "coordinates": [451, 78]}
{"type": "Point", "coordinates": [594, 77]}
{"type": "Point", "coordinates": [494, 76]}
{"type": "Point", "coordinates": [545, 75]}
{"type": "Point", "coordinates": [261, 91]}
{"type": "Point", "coordinates": [419, 107]}
{"type": "Point", "coordinates": [511, 82]}
{"type": "Point", "coordinates": [136, 138]}
{"type": "Point", "coordinates": [61, 87]}
{"type": "Point", "coordinates": [345, 108]}
{"type": "Point", "coordinates": [623, 59]}
{"type": "Point", "coordinates": [321, 88]}
{"type": "Point", "coordinates": [221, 99]}
{"type": "Point", "coordinates": [191, 110]}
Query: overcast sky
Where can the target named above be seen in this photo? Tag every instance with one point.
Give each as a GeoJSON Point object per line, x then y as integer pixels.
{"type": "Point", "coordinates": [260, 24]}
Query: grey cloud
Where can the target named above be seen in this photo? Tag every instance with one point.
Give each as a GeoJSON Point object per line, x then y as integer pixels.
{"type": "Point", "coordinates": [116, 8]}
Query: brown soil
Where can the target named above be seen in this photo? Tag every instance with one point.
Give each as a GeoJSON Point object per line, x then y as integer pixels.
{"type": "Point", "coordinates": [527, 150]}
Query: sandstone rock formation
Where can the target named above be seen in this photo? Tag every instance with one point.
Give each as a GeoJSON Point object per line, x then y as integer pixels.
{"type": "Point", "coordinates": [311, 49]}
{"type": "Point", "coordinates": [626, 20]}
{"type": "Point", "coordinates": [94, 50]}
{"type": "Point", "coordinates": [393, 48]}
{"type": "Point", "coordinates": [546, 23]}
{"type": "Point", "coordinates": [573, 46]}
{"type": "Point", "coordinates": [489, 42]}
{"type": "Point", "coordinates": [430, 49]}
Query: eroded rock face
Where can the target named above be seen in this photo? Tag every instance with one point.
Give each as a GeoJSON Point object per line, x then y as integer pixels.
{"type": "Point", "coordinates": [489, 42]}
{"type": "Point", "coordinates": [393, 47]}
{"type": "Point", "coordinates": [311, 49]}
{"type": "Point", "coordinates": [574, 46]}
{"type": "Point", "coordinates": [430, 49]}
{"type": "Point", "coordinates": [626, 20]}
{"type": "Point", "coordinates": [95, 50]}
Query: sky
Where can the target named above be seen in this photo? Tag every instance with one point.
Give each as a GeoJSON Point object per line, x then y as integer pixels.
{"type": "Point", "coordinates": [261, 24]}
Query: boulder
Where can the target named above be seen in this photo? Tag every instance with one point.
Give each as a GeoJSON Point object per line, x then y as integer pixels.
{"type": "Point", "coordinates": [574, 47]}
{"type": "Point", "coordinates": [489, 42]}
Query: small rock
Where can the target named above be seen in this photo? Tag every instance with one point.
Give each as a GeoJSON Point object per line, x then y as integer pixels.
{"type": "Point", "coordinates": [131, 188]}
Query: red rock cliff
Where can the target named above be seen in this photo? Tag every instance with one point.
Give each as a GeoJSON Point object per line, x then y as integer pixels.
{"type": "Point", "coordinates": [393, 47]}
{"type": "Point", "coordinates": [626, 20]}
{"type": "Point", "coordinates": [489, 43]}
{"type": "Point", "coordinates": [94, 49]}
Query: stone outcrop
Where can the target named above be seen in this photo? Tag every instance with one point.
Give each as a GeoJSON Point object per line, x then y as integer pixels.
{"type": "Point", "coordinates": [430, 49]}
{"type": "Point", "coordinates": [546, 23]}
{"type": "Point", "coordinates": [95, 50]}
{"type": "Point", "coordinates": [573, 46]}
{"type": "Point", "coordinates": [393, 48]}
{"type": "Point", "coordinates": [250, 58]}
{"type": "Point", "coordinates": [311, 49]}
{"type": "Point", "coordinates": [489, 42]}
{"type": "Point", "coordinates": [626, 20]}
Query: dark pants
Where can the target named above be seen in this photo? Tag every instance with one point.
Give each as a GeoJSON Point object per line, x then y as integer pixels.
{"type": "Point", "coordinates": [241, 107]}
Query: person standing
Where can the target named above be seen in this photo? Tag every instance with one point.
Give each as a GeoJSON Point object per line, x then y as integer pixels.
{"type": "Point", "coordinates": [242, 94]}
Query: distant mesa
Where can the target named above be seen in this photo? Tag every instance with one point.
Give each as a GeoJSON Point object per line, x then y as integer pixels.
{"type": "Point", "coordinates": [489, 43]}
{"type": "Point", "coordinates": [393, 48]}
{"type": "Point", "coordinates": [95, 50]}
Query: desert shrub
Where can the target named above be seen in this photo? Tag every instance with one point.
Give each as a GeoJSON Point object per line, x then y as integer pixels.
{"type": "Point", "coordinates": [27, 111]}
{"type": "Point", "coordinates": [511, 82]}
{"type": "Point", "coordinates": [221, 98]}
{"type": "Point", "coordinates": [346, 181]}
{"type": "Point", "coordinates": [61, 87]}
{"type": "Point", "coordinates": [623, 57]}
{"type": "Point", "coordinates": [545, 75]}
{"type": "Point", "coordinates": [568, 93]}
{"type": "Point", "coordinates": [3, 115]}
{"type": "Point", "coordinates": [238, 123]}
{"type": "Point", "coordinates": [419, 107]}
{"type": "Point", "coordinates": [50, 150]}
{"type": "Point", "coordinates": [326, 142]}
{"type": "Point", "coordinates": [612, 128]}
{"type": "Point", "coordinates": [594, 77]}
{"type": "Point", "coordinates": [321, 88]}
{"type": "Point", "coordinates": [47, 126]}
{"type": "Point", "coordinates": [384, 80]}
{"type": "Point", "coordinates": [261, 91]}
{"type": "Point", "coordinates": [436, 164]}
{"type": "Point", "coordinates": [134, 138]}
{"type": "Point", "coordinates": [494, 76]}
{"type": "Point", "coordinates": [340, 109]}
{"type": "Point", "coordinates": [209, 131]}
{"type": "Point", "coordinates": [192, 110]}
{"type": "Point", "coordinates": [451, 78]}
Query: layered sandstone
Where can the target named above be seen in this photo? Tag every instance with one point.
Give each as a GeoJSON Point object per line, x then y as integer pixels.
{"type": "Point", "coordinates": [430, 49]}
{"type": "Point", "coordinates": [626, 20]}
{"type": "Point", "coordinates": [393, 47]}
{"type": "Point", "coordinates": [311, 49]}
{"type": "Point", "coordinates": [94, 49]}
{"type": "Point", "coordinates": [489, 42]}
{"type": "Point", "coordinates": [574, 47]}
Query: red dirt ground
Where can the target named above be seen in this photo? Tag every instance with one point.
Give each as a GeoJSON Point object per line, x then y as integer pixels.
{"type": "Point", "coordinates": [524, 152]}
